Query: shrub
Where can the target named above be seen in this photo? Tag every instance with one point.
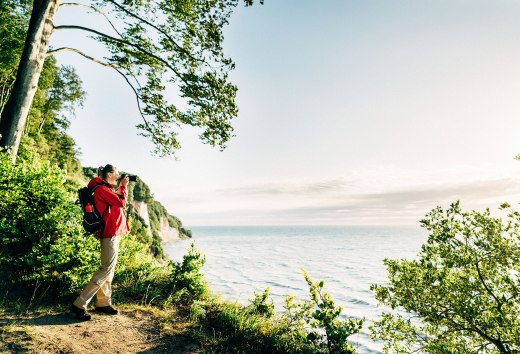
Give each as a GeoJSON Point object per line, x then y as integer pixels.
{"type": "Point", "coordinates": [328, 334]}
{"type": "Point", "coordinates": [227, 327]}
{"type": "Point", "coordinates": [311, 326]}
{"type": "Point", "coordinates": [145, 283]}
{"type": "Point", "coordinates": [188, 275]}
{"type": "Point", "coordinates": [42, 244]}
{"type": "Point", "coordinates": [462, 294]}
{"type": "Point", "coordinates": [185, 233]}
{"type": "Point", "coordinates": [314, 326]}
{"type": "Point", "coordinates": [261, 304]}
{"type": "Point", "coordinates": [142, 278]}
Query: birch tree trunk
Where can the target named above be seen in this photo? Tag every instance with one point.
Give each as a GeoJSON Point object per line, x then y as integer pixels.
{"type": "Point", "coordinates": [14, 114]}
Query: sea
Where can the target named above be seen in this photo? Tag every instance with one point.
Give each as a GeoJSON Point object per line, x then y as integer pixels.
{"type": "Point", "coordinates": [243, 259]}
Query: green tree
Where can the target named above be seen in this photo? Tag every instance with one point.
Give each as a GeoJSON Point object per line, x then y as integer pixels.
{"type": "Point", "coordinates": [141, 191]}
{"type": "Point", "coordinates": [13, 22]}
{"type": "Point", "coordinates": [153, 44]}
{"type": "Point", "coordinates": [59, 92]}
{"type": "Point", "coordinates": [62, 97]}
{"type": "Point", "coordinates": [462, 293]}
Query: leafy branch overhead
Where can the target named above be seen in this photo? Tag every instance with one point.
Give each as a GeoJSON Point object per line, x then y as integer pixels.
{"type": "Point", "coordinates": [164, 43]}
{"type": "Point", "coordinates": [169, 51]}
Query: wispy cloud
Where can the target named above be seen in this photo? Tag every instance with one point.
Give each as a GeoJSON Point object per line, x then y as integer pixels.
{"type": "Point", "coordinates": [326, 186]}
{"type": "Point", "coordinates": [336, 202]}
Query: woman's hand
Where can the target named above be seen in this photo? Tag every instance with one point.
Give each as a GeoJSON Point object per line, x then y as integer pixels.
{"type": "Point", "coordinates": [124, 181]}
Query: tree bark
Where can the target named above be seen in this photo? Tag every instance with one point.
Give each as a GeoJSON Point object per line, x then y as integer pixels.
{"type": "Point", "coordinates": [14, 114]}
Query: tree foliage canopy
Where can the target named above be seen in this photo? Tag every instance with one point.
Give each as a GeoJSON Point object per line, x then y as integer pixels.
{"type": "Point", "coordinates": [170, 53]}
{"type": "Point", "coordinates": [462, 294]}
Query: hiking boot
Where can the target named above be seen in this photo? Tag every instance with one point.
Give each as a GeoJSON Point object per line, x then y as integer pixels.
{"type": "Point", "coordinates": [109, 310]}
{"type": "Point", "coordinates": [80, 313]}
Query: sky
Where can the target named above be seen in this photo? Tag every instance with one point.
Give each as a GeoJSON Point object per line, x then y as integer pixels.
{"type": "Point", "coordinates": [366, 112]}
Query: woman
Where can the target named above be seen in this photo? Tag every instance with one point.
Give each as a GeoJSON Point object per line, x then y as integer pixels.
{"type": "Point", "coordinates": [111, 204]}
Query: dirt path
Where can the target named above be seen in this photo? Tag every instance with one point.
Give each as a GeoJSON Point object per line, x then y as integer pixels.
{"type": "Point", "coordinates": [132, 331]}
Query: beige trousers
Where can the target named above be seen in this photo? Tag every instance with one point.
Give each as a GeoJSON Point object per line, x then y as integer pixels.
{"type": "Point", "coordinates": [101, 282]}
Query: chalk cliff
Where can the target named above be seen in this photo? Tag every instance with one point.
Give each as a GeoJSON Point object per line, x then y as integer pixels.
{"type": "Point", "coordinates": [141, 208]}
{"type": "Point", "coordinates": [167, 232]}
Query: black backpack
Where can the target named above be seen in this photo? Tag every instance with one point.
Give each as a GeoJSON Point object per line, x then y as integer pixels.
{"type": "Point", "coordinates": [92, 220]}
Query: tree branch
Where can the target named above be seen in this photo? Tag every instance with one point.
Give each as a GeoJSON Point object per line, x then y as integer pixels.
{"type": "Point", "coordinates": [499, 306]}
{"type": "Point", "coordinates": [95, 10]}
{"type": "Point", "coordinates": [158, 29]}
{"type": "Point", "coordinates": [497, 342]}
{"type": "Point", "coordinates": [124, 41]}
{"type": "Point", "coordinates": [7, 87]}
{"type": "Point", "coordinates": [54, 51]}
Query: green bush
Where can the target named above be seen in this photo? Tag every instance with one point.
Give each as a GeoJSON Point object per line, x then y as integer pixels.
{"type": "Point", "coordinates": [185, 232]}
{"type": "Point", "coordinates": [234, 329]}
{"type": "Point", "coordinates": [328, 334]}
{"type": "Point", "coordinates": [261, 304]}
{"type": "Point", "coordinates": [462, 293]}
{"type": "Point", "coordinates": [314, 326]}
{"type": "Point", "coordinates": [145, 283]}
{"type": "Point", "coordinates": [188, 275]}
{"type": "Point", "coordinates": [311, 326]}
{"type": "Point", "coordinates": [43, 246]}
{"type": "Point", "coordinates": [141, 278]}
{"type": "Point", "coordinates": [141, 191]}
{"type": "Point", "coordinates": [42, 243]}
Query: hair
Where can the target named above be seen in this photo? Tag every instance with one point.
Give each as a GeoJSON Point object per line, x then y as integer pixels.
{"type": "Point", "coordinates": [104, 171]}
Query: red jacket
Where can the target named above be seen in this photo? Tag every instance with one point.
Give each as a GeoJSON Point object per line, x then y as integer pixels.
{"type": "Point", "coordinates": [114, 202]}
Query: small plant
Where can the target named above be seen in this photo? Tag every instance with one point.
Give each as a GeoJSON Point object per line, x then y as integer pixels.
{"type": "Point", "coordinates": [328, 332]}
{"type": "Point", "coordinates": [316, 323]}
{"type": "Point", "coordinates": [198, 311]}
{"type": "Point", "coordinates": [229, 327]}
{"type": "Point", "coordinates": [188, 273]}
{"type": "Point", "coordinates": [261, 304]}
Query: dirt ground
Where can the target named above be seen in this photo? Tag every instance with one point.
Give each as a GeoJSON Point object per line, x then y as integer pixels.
{"type": "Point", "coordinates": [132, 331]}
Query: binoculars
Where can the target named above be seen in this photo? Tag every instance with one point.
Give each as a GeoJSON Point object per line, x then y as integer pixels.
{"type": "Point", "coordinates": [131, 178]}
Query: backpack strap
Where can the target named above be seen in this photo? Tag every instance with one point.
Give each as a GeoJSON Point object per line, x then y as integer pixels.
{"type": "Point", "coordinates": [106, 209]}
{"type": "Point", "coordinates": [96, 187]}
{"type": "Point", "coordinates": [93, 190]}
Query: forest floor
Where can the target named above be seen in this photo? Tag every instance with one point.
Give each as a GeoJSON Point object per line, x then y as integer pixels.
{"type": "Point", "coordinates": [134, 330]}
